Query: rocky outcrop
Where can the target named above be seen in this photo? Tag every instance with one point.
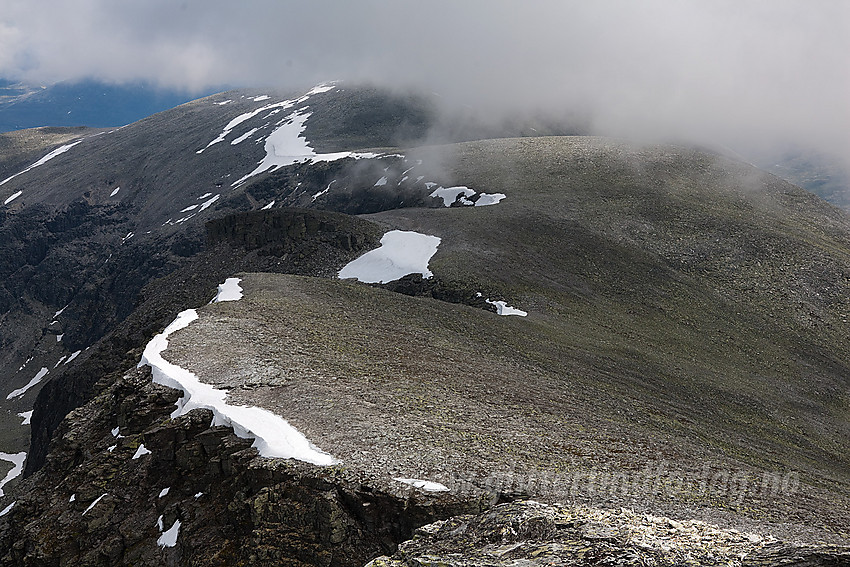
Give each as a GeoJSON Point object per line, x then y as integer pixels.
{"type": "Point", "coordinates": [282, 231]}
{"type": "Point", "coordinates": [126, 473]}
{"type": "Point", "coordinates": [530, 534]}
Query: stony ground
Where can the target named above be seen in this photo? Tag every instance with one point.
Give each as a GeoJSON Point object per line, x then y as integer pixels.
{"type": "Point", "coordinates": [531, 534]}
{"type": "Point", "coordinates": [395, 386]}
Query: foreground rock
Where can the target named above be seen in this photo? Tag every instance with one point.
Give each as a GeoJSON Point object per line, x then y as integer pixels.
{"type": "Point", "coordinates": [531, 534]}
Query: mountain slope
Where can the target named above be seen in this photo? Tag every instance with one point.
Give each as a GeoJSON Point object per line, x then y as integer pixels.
{"type": "Point", "coordinates": [684, 334]}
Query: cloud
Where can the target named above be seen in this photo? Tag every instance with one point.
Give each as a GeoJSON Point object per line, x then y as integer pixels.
{"type": "Point", "coordinates": [739, 72]}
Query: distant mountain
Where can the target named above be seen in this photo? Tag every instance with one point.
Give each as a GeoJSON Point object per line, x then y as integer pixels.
{"type": "Point", "coordinates": [557, 318]}
{"type": "Point", "coordinates": [83, 103]}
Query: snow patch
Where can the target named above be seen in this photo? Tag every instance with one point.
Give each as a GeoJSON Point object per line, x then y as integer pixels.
{"type": "Point", "coordinates": [169, 538]}
{"type": "Point", "coordinates": [141, 452]}
{"type": "Point", "coordinates": [21, 391]}
{"type": "Point", "coordinates": [267, 207]}
{"type": "Point", "coordinates": [222, 103]}
{"type": "Point", "coordinates": [261, 98]}
{"type": "Point", "coordinates": [114, 191]}
{"type": "Point", "coordinates": [273, 435]}
{"type": "Point", "coordinates": [489, 199]}
{"type": "Point", "coordinates": [7, 509]}
{"type": "Point", "coordinates": [502, 308]}
{"type": "Point", "coordinates": [190, 208]}
{"type": "Point", "coordinates": [380, 182]}
{"type": "Point", "coordinates": [59, 338]}
{"type": "Point", "coordinates": [401, 253]}
{"type": "Point", "coordinates": [229, 290]}
{"type": "Point", "coordinates": [27, 416]}
{"type": "Point", "coordinates": [72, 498]}
{"type": "Point", "coordinates": [450, 194]}
{"type": "Point", "coordinates": [164, 491]}
{"type": "Point", "coordinates": [42, 161]}
{"type": "Point", "coordinates": [16, 459]}
{"type": "Point", "coordinates": [427, 485]}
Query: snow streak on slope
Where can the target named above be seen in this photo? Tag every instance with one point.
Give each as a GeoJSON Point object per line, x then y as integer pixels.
{"type": "Point", "coordinates": [273, 436]}
{"type": "Point", "coordinates": [401, 253]}
{"type": "Point", "coordinates": [12, 197]}
{"type": "Point", "coordinates": [16, 459]}
{"type": "Point", "coordinates": [21, 391]}
{"type": "Point", "coordinates": [42, 161]}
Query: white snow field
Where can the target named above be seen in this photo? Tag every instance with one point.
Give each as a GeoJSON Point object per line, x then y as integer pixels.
{"type": "Point", "coordinates": [16, 459]}
{"type": "Point", "coordinates": [287, 145]}
{"type": "Point", "coordinates": [27, 417]}
{"type": "Point", "coordinates": [273, 436]}
{"type": "Point", "coordinates": [277, 105]}
{"type": "Point", "coordinates": [401, 253]}
{"type": "Point", "coordinates": [42, 161]}
{"type": "Point", "coordinates": [426, 485]}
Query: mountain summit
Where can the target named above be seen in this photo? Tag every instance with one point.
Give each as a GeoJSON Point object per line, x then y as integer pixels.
{"type": "Point", "coordinates": [299, 327]}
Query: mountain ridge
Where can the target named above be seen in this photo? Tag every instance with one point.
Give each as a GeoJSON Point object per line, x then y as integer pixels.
{"type": "Point", "coordinates": [682, 308]}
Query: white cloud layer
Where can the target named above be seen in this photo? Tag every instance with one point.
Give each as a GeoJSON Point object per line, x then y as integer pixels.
{"type": "Point", "coordinates": [722, 69]}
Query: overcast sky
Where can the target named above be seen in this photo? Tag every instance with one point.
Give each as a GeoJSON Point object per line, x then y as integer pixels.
{"type": "Point", "coordinates": [732, 71]}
